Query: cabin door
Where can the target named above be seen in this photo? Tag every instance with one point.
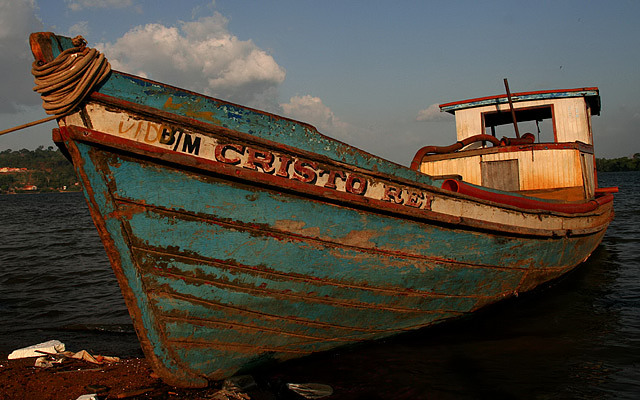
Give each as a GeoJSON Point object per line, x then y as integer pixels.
{"type": "Point", "coordinates": [587, 174]}
{"type": "Point", "coordinates": [501, 175]}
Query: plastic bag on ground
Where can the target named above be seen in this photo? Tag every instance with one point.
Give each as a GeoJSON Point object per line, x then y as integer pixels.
{"type": "Point", "coordinates": [311, 390]}
{"type": "Point", "coordinates": [97, 359]}
{"type": "Point", "coordinates": [51, 347]}
{"type": "Point", "coordinates": [92, 396]}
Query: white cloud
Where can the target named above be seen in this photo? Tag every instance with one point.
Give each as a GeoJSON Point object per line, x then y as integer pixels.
{"type": "Point", "coordinates": [200, 55]}
{"type": "Point", "coordinates": [17, 21]}
{"type": "Point", "coordinates": [80, 28]}
{"type": "Point", "coordinates": [311, 110]}
{"type": "Point", "coordinates": [77, 5]}
{"type": "Point", "coordinates": [203, 9]}
{"type": "Point", "coordinates": [433, 113]}
{"type": "Point", "coordinates": [382, 138]}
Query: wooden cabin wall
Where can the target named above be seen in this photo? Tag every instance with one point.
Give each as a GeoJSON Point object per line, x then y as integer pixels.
{"type": "Point", "coordinates": [588, 173]}
{"type": "Point", "coordinates": [467, 167]}
{"type": "Point", "coordinates": [542, 169]}
{"type": "Point", "coordinates": [571, 119]}
{"type": "Point", "coordinates": [469, 122]}
{"type": "Point", "coordinates": [539, 169]}
{"type": "Point", "coordinates": [572, 124]}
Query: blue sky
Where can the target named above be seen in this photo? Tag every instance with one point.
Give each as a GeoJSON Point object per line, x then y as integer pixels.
{"type": "Point", "coordinates": [360, 71]}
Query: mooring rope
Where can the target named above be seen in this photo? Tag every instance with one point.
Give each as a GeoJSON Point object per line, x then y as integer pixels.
{"type": "Point", "coordinates": [65, 82]}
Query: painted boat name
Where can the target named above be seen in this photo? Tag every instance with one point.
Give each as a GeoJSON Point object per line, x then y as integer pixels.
{"type": "Point", "coordinates": [272, 163]}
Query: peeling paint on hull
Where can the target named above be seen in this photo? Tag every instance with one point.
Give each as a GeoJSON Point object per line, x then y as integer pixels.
{"type": "Point", "coordinates": [240, 237]}
{"type": "Point", "coordinates": [221, 275]}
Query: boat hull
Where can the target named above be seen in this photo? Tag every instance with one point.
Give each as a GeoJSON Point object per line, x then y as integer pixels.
{"type": "Point", "coordinates": [240, 237]}
{"type": "Point", "coordinates": [224, 267]}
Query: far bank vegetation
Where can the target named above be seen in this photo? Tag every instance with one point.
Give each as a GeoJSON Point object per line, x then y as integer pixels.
{"type": "Point", "coordinates": [47, 170]}
{"type": "Point", "coordinates": [39, 170]}
{"type": "Point", "coordinates": [619, 164]}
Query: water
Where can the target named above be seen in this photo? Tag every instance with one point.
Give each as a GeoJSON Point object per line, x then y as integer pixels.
{"type": "Point", "coordinates": [576, 338]}
{"type": "Point", "coordinates": [55, 278]}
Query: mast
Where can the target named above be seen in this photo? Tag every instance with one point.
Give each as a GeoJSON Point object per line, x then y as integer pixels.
{"type": "Point", "coordinates": [513, 113]}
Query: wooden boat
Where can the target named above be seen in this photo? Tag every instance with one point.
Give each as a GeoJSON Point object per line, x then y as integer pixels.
{"type": "Point", "coordinates": [240, 237]}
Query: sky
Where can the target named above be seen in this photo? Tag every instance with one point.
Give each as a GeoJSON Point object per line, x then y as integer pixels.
{"type": "Point", "coordinates": [369, 73]}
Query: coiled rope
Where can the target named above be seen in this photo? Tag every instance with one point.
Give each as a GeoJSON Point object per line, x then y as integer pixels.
{"type": "Point", "coordinates": [66, 81]}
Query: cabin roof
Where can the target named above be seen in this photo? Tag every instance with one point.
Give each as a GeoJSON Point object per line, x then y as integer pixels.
{"type": "Point", "coordinates": [590, 94]}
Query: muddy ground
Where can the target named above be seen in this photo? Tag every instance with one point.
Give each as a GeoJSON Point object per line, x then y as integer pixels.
{"type": "Point", "coordinates": [128, 379]}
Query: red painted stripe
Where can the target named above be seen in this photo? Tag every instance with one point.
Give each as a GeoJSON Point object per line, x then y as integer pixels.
{"type": "Point", "coordinates": [525, 202]}
{"type": "Point", "coordinates": [258, 178]}
{"type": "Point", "coordinates": [500, 96]}
{"type": "Point", "coordinates": [87, 135]}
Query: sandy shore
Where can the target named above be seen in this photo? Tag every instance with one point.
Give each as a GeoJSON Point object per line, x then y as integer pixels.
{"type": "Point", "coordinates": [127, 379]}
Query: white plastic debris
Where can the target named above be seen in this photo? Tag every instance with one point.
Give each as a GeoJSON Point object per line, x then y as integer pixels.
{"type": "Point", "coordinates": [311, 390]}
{"type": "Point", "coordinates": [95, 359]}
{"type": "Point", "coordinates": [51, 347]}
{"type": "Point", "coordinates": [47, 362]}
{"type": "Point", "coordinates": [93, 396]}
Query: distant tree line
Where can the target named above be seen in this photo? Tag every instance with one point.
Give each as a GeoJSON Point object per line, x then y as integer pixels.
{"type": "Point", "coordinates": [47, 169]}
{"type": "Point", "coordinates": [619, 164]}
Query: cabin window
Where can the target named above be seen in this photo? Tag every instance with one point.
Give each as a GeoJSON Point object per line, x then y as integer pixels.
{"type": "Point", "coordinates": [536, 120]}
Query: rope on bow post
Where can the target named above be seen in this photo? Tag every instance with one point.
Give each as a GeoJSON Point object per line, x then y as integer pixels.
{"type": "Point", "coordinates": [67, 80]}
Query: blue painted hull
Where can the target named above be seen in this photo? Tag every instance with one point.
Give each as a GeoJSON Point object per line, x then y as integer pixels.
{"type": "Point", "coordinates": [240, 237]}
{"type": "Point", "coordinates": [221, 275]}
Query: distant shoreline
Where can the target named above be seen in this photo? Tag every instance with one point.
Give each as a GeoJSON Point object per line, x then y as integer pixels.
{"type": "Point", "coordinates": [621, 164]}
{"type": "Point", "coordinates": [41, 192]}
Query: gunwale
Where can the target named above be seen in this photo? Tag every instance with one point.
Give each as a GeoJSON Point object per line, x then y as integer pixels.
{"type": "Point", "coordinates": [599, 215]}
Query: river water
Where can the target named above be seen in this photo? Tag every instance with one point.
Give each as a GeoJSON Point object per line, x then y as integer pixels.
{"type": "Point", "coordinates": [576, 338]}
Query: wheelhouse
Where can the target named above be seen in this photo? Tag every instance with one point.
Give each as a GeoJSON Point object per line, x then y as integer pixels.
{"type": "Point", "coordinates": [550, 157]}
